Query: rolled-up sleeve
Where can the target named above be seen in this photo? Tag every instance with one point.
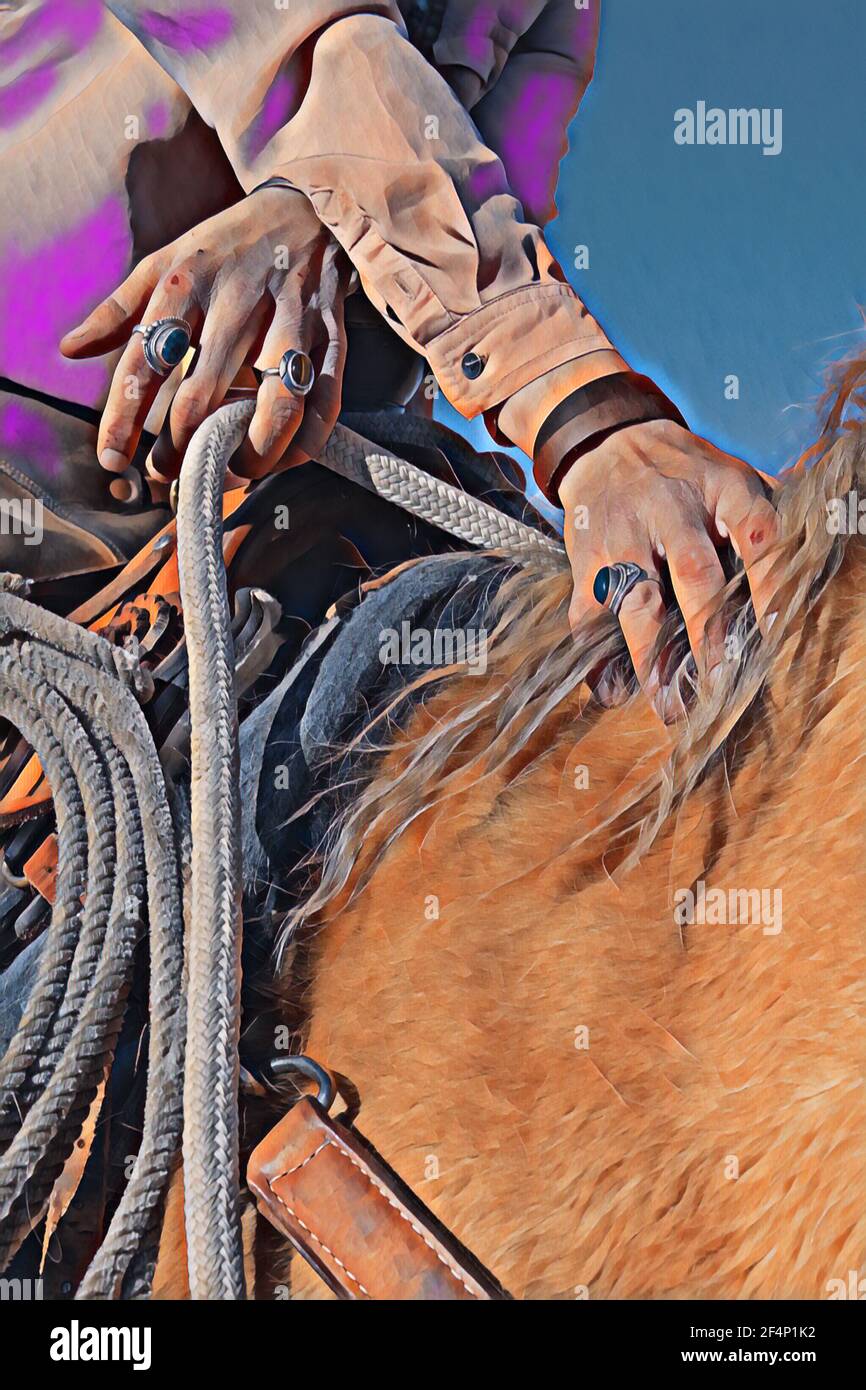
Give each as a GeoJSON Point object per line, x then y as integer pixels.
{"type": "Point", "coordinates": [333, 98]}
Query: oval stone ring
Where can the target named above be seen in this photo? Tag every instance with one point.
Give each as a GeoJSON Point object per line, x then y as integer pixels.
{"type": "Point", "coordinates": [165, 342]}
{"type": "Point", "coordinates": [614, 582]}
{"type": "Point", "coordinates": [295, 371]}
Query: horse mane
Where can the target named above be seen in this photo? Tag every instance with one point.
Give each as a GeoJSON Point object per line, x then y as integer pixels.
{"type": "Point", "coordinates": [535, 663]}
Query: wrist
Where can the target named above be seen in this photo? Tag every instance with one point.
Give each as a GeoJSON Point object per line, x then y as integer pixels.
{"type": "Point", "coordinates": [651, 437]}
{"type": "Point", "coordinates": [519, 419]}
{"type": "Point", "coordinates": [588, 418]}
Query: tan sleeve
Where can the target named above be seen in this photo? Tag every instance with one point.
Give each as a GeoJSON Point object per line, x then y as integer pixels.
{"type": "Point", "coordinates": [481, 34]}
{"type": "Point", "coordinates": [526, 115]}
{"type": "Point", "coordinates": [341, 105]}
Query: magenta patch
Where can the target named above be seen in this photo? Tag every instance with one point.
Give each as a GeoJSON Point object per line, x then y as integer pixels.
{"type": "Point", "coordinates": [26, 433]}
{"type": "Point", "coordinates": [476, 39]}
{"type": "Point", "coordinates": [191, 32]}
{"type": "Point", "coordinates": [277, 108]}
{"type": "Point", "coordinates": [53, 32]}
{"type": "Point", "coordinates": [47, 289]}
{"type": "Point", "coordinates": [73, 20]}
{"type": "Point", "coordinates": [531, 138]}
{"type": "Point", "coordinates": [487, 181]}
{"type": "Point", "coordinates": [157, 120]}
{"type": "Point", "coordinates": [26, 94]}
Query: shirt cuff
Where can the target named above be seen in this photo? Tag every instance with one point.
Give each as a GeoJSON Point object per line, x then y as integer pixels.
{"type": "Point", "coordinates": [582, 420]}
{"type": "Point", "coordinates": [494, 351]}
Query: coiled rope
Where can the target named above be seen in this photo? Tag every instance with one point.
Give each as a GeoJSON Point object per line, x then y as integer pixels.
{"type": "Point", "coordinates": [51, 669]}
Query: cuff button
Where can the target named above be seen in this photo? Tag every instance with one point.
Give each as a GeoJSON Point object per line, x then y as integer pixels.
{"type": "Point", "coordinates": [472, 365]}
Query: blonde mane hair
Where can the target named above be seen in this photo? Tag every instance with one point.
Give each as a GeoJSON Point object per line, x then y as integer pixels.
{"type": "Point", "coordinates": [534, 663]}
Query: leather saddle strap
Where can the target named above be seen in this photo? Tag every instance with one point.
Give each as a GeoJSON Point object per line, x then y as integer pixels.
{"type": "Point", "coordinates": [356, 1222]}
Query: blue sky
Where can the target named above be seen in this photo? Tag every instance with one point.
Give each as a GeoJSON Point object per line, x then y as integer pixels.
{"type": "Point", "coordinates": [707, 261]}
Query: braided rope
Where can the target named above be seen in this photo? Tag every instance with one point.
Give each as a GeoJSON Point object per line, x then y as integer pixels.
{"type": "Point", "coordinates": [119, 712]}
{"type": "Point", "coordinates": [95, 786]}
{"type": "Point", "coordinates": [438, 503]}
{"type": "Point", "coordinates": [210, 1135]}
{"type": "Point", "coordinates": [97, 682]}
{"type": "Point", "coordinates": [34, 715]}
{"type": "Point", "coordinates": [36, 1155]}
{"type": "Point", "coordinates": [393, 429]}
{"type": "Point", "coordinates": [210, 1131]}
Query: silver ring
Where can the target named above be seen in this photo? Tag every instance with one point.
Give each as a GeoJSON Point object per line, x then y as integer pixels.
{"type": "Point", "coordinates": [295, 371]}
{"type": "Point", "coordinates": [613, 583]}
{"type": "Point", "coordinates": [165, 342]}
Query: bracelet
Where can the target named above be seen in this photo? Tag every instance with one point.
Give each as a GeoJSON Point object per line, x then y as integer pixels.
{"type": "Point", "coordinates": [275, 181]}
{"type": "Point", "coordinates": [589, 415]}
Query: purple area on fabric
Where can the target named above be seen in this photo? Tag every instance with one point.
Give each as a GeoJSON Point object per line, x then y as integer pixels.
{"type": "Point", "coordinates": [530, 140]}
{"type": "Point", "coordinates": [487, 180]}
{"type": "Point", "coordinates": [24, 432]}
{"type": "Point", "coordinates": [277, 107]}
{"type": "Point", "coordinates": [476, 40]}
{"type": "Point", "coordinates": [190, 32]}
{"type": "Point", "coordinates": [47, 289]}
{"type": "Point", "coordinates": [74, 23]}
{"type": "Point", "coordinates": [157, 118]}
{"type": "Point", "coordinates": [75, 20]}
{"type": "Point", "coordinates": [23, 96]}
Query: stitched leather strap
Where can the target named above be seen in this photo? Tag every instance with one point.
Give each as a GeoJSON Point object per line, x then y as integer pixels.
{"type": "Point", "coordinates": [360, 1227]}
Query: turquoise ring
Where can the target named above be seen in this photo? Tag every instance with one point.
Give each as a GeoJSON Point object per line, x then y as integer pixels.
{"type": "Point", "coordinates": [165, 342]}
{"type": "Point", "coordinates": [613, 583]}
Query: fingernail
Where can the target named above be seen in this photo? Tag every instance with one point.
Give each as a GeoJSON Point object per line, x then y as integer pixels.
{"type": "Point", "coordinates": [114, 461]}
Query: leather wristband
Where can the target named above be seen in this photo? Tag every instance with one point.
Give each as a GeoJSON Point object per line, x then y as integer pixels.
{"type": "Point", "coordinates": [275, 181]}
{"type": "Point", "coordinates": [585, 418]}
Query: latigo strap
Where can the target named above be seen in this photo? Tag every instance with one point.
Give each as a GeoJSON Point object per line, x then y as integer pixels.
{"type": "Point", "coordinates": [353, 1219]}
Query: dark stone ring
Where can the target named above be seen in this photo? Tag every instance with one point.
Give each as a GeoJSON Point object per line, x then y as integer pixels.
{"type": "Point", "coordinates": [614, 582]}
{"type": "Point", "coordinates": [295, 371]}
{"type": "Point", "coordinates": [165, 342]}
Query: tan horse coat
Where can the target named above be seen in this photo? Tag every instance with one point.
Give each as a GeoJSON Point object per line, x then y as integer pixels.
{"type": "Point", "coordinates": [599, 1098]}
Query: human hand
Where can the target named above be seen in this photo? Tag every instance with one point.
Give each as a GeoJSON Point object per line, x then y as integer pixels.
{"type": "Point", "coordinates": [666, 500]}
{"type": "Point", "coordinates": [251, 282]}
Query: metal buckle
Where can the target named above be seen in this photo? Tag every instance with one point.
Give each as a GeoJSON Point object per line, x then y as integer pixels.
{"type": "Point", "coordinates": [282, 1066]}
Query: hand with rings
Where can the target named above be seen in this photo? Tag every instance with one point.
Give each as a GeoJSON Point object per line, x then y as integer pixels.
{"type": "Point", "coordinates": [647, 513]}
{"type": "Point", "coordinates": [262, 283]}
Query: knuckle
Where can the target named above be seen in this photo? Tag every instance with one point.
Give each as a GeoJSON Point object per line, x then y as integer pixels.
{"type": "Point", "coordinates": [150, 267]}
{"type": "Point", "coordinates": [576, 612]}
{"type": "Point", "coordinates": [114, 434]}
{"type": "Point", "coordinates": [178, 279]}
{"type": "Point", "coordinates": [285, 414]}
{"type": "Point", "coordinates": [760, 527]}
{"type": "Point", "coordinates": [697, 565]}
{"type": "Point", "coordinates": [190, 406]}
{"type": "Point", "coordinates": [644, 602]}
